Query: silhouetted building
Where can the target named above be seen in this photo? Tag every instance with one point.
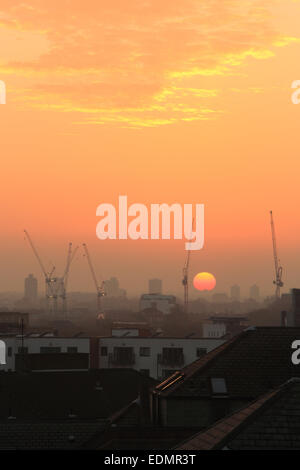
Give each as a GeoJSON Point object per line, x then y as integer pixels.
{"type": "Point", "coordinates": [235, 293]}
{"type": "Point", "coordinates": [30, 289]}
{"type": "Point", "coordinates": [293, 315]}
{"type": "Point", "coordinates": [12, 322]}
{"type": "Point", "coordinates": [155, 286]}
{"type": "Point", "coordinates": [112, 288]}
{"type": "Point", "coordinates": [254, 293]}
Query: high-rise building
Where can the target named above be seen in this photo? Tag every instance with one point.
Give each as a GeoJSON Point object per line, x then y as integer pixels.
{"type": "Point", "coordinates": [254, 293]}
{"type": "Point", "coordinates": [155, 286]}
{"type": "Point", "coordinates": [30, 289]}
{"type": "Point", "coordinates": [235, 293]}
{"type": "Point", "coordinates": [112, 289]}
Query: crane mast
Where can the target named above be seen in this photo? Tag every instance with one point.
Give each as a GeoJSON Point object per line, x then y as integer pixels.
{"type": "Point", "coordinates": [185, 280]}
{"type": "Point", "coordinates": [35, 253]}
{"type": "Point", "coordinates": [64, 280]}
{"type": "Point", "coordinates": [278, 268]}
{"type": "Point", "coordinates": [99, 288]}
{"type": "Point", "coordinates": [51, 282]}
{"type": "Point", "coordinates": [56, 287]}
{"type": "Point", "coordinates": [185, 283]}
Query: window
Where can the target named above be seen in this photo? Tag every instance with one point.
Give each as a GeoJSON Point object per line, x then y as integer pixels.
{"type": "Point", "coordinates": [145, 352]}
{"type": "Point", "coordinates": [145, 372]}
{"type": "Point", "coordinates": [9, 351]}
{"type": "Point", "coordinates": [23, 350]}
{"type": "Point", "coordinates": [172, 357]}
{"type": "Point", "coordinates": [72, 349]}
{"type": "Point", "coordinates": [201, 352]}
{"type": "Point", "coordinates": [49, 350]}
{"type": "Point", "coordinates": [123, 356]}
{"type": "Point", "coordinates": [218, 386]}
{"type": "Point", "coordinates": [103, 351]}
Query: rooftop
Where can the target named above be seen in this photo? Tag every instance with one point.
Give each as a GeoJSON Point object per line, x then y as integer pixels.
{"type": "Point", "coordinates": [270, 422]}
{"type": "Point", "coordinates": [248, 365]}
{"type": "Point", "coordinates": [28, 435]}
{"type": "Point", "coordinates": [93, 394]}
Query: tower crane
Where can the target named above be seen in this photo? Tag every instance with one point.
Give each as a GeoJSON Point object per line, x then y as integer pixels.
{"type": "Point", "coordinates": [278, 268]}
{"type": "Point", "coordinates": [50, 281]}
{"type": "Point", "coordinates": [64, 279]}
{"type": "Point", "coordinates": [185, 280]}
{"type": "Point", "coordinates": [99, 288]}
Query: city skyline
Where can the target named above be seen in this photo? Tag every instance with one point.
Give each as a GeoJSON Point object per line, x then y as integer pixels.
{"type": "Point", "coordinates": [163, 103]}
{"type": "Point", "coordinates": [33, 289]}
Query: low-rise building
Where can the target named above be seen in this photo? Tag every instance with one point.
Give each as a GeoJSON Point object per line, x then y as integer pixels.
{"type": "Point", "coordinates": [155, 356]}
{"type": "Point", "coordinates": [221, 325]}
{"type": "Point", "coordinates": [214, 330]}
{"type": "Point", "coordinates": [161, 302]}
{"type": "Point", "coordinates": [46, 352]}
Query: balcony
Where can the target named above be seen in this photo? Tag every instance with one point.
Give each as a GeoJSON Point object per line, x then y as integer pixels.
{"type": "Point", "coordinates": [121, 359]}
{"type": "Point", "coordinates": [171, 360]}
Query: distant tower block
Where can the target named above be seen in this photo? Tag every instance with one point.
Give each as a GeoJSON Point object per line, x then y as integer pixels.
{"type": "Point", "coordinates": [155, 286]}
{"type": "Point", "coordinates": [296, 307]}
{"type": "Point", "coordinates": [254, 293]}
{"type": "Point", "coordinates": [30, 289]}
{"type": "Point", "coordinates": [235, 293]}
{"type": "Point", "coordinates": [112, 288]}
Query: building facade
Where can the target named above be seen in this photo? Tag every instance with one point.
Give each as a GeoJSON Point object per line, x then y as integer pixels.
{"type": "Point", "coordinates": [157, 357]}
{"type": "Point", "coordinates": [235, 293]}
{"type": "Point", "coordinates": [57, 348]}
{"type": "Point", "coordinates": [254, 293]}
{"type": "Point", "coordinates": [160, 302]}
{"type": "Point", "coordinates": [30, 289]}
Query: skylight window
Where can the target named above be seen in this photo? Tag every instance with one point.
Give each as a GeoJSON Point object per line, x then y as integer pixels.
{"type": "Point", "coordinates": [218, 386]}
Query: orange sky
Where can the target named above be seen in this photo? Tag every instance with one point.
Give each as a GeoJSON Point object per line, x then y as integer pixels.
{"type": "Point", "coordinates": [183, 101]}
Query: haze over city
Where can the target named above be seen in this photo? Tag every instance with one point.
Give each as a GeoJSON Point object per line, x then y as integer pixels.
{"type": "Point", "coordinates": [168, 105]}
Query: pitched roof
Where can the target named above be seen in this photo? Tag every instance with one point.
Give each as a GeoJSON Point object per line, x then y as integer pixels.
{"type": "Point", "coordinates": [26, 435]}
{"type": "Point", "coordinates": [271, 422]}
{"type": "Point", "coordinates": [250, 364]}
{"type": "Point", "coordinates": [89, 394]}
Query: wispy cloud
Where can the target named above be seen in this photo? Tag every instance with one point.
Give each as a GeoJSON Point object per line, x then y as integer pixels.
{"type": "Point", "coordinates": [135, 62]}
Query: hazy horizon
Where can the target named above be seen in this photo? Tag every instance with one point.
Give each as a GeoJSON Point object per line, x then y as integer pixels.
{"type": "Point", "coordinates": [165, 102]}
